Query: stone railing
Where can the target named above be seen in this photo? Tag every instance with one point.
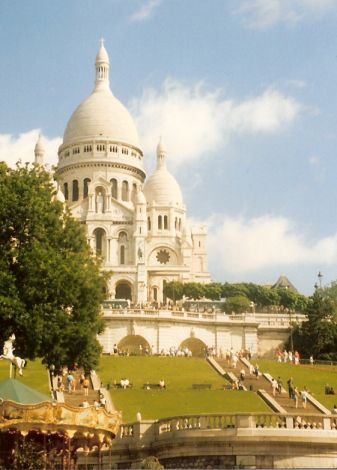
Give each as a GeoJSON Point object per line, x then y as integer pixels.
{"type": "Point", "coordinates": [226, 421]}
{"type": "Point", "coordinates": [279, 320]}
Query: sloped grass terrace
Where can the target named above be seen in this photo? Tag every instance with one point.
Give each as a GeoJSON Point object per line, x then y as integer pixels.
{"type": "Point", "coordinates": [178, 398]}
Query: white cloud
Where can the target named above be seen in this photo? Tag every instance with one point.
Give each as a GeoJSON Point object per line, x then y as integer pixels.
{"type": "Point", "coordinates": [241, 246]}
{"type": "Point", "coordinates": [263, 14]}
{"type": "Point", "coordinates": [21, 147]}
{"type": "Point", "coordinates": [145, 11]}
{"type": "Point", "coordinates": [195, 122]}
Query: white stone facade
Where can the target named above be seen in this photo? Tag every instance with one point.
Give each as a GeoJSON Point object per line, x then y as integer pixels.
{"type": "Point", "coordinates": [138, 227]}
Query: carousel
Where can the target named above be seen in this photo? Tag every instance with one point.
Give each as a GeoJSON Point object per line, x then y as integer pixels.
{"type": "Point", "coordinates": [36, 431]}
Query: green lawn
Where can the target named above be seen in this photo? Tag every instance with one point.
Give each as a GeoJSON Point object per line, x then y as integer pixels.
{"type": "Point", "coordinates": [34, 375]}
{"type": "Point", "coordinates": [313, 377]}
{"type": "Point", "coordinates": [178, 398]}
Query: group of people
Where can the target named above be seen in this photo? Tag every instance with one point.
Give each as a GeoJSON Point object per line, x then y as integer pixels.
{"type": "Point", "coordinates": [288, 356]}
{"type": "Point", "coordinates": [295, 394]}
{"type": "Point", "coordinates": [71, 383]}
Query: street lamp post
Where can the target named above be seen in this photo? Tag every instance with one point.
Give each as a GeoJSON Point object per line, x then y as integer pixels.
{"type": "Point", "coordinates": [320, 276]}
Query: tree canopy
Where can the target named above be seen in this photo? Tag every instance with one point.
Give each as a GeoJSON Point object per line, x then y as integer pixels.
{"type": "Point", "coordinates": [51, 287]}
{"type": "Point", "coordinates": [318, 335]}
{"type": "Point", "coordinates": [242, 295]}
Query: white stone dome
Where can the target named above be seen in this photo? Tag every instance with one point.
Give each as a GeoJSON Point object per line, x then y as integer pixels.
{"type": "Point", "coordinates": [162, 188]}
{"type": "Point", "coordinates": [101, 115]}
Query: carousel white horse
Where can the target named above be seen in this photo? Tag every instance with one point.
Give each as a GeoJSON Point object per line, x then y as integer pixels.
{"type": "Point", "coordinates": [8, 353]}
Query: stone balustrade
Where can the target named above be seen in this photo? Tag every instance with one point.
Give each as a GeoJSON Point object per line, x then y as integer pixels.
{"type": "Point", "coordinates": [227, 421]}
{"type": "Point", "coordinates": [279, 320]}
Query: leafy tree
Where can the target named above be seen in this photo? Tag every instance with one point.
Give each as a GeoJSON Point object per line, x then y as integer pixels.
{"type": "Point", "coordinates": [174, 290]}
{"type": "Point", "coordinates": [237, 304]}
{"type": "Point", "coordinates": [318, 335]}
{"type": "Point", "coordinates": [213, 291]}
{"type": "Point", "coordinates": [51, 288]}
{"type": "Point", "coordinates": [194, 290]}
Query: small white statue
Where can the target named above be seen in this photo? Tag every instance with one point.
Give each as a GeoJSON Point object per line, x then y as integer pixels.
{"type": "Point", "coordinates": [8, 353]}
{"type": "Point", "coordinates": [99, 203]}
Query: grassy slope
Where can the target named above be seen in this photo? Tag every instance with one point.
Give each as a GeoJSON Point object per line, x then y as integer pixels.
{"type": "Point", "coordinates": [313, 377]}
{"type": "Point", "coordinates": [34, 375]}
{"type": "Point", "coordinates": [179, 398]}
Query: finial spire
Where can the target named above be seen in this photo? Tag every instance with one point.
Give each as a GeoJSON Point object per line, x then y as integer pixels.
{"type": "Point", "coordinates": [39, 150]}
{"type": "Point", "coordinates": [161, 154]}
{"type": "Point", "coordinates": [102, 68]}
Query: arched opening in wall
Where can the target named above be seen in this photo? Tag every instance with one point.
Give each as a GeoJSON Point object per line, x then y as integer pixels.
{"type": "Point", "coordinates": [75, 190]}
{"type": "Point", "coordinates": [165, 222]}
{"type": "Point", "coordinates": [196, 346]}
{"type": "Point", "coordinates": [86, 187]}
{"type": "Point", "coordinates": [99, 200]}
{"type": "Point", "coordinates": [114, 186]}
{"type": "Point", "coordinates": [148, 223]}
{"type": "Point", "coordinates": [134, 345]}
{"type": "Point", "coordinates": [65, 191]}
{"type": "Point", "coordinates": [125, 191]}
{"type": "Point", "coordinates": [122, 247]}
{"type": "Point", "coordinates": [99, 234]}
{"type": "Point", "coordinates": [160, 222]}
{"type": "Point", "coordinates": [123, 290]}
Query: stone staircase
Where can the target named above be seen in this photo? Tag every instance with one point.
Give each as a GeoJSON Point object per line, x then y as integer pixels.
{"type": "Point", "coordinates": [262, 382]}
{"type": "Point", "coordinates": [76, 397]}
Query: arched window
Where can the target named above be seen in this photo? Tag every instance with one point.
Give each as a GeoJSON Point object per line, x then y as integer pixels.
{"type": "Point", "coordinates": [122, 255]}
{"type": "Point", "coordinates": [75, 190]}
{"type": "Point", "coordinates": [122, 243]}
{"type": "Point", "coordinates": [86, 187]}
{"type": "Point", "coordinates": [65, 191]}
{"type": "Point", "coordinates": [113, 182]}
{"type": "Point", "coordinates": [165, 222]}
{"type": "Point", "coordinates": [160, 223]}
{"type": "Point", "coordinates": [176, 223]}
{"type": "Point", "coordinates": [100, 241]}
{"type": "Point", "coordinates": [149, 223]}
{"type": "Point", "coordinates": [125, 191]}
{"type": "Point", "coordinates": [179, 225]}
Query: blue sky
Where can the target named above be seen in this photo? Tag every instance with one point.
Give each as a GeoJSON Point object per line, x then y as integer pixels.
{"type": "Point", "coordinates": [243, 92]}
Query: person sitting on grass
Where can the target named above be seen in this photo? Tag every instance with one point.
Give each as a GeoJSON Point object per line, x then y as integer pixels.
{"type": "Point", "coordinates": [125, 383]}
{"type": "Point", "coordinates": [162, 384]}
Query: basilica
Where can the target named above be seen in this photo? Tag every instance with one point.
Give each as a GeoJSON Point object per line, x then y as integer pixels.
{"type": "Point", "coordinates": [136, 224]}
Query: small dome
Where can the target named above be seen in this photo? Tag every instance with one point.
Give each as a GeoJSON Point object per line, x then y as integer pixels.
{"type": "Point", "coordinates": [163, 189]}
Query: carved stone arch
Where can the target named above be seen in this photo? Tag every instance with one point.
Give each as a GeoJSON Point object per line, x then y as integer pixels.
{"type": "Point", "coordinates": [197, 347]}
{"type": "Point", "coordinates": [124, 289]}
{"type": "Point", "coordinates": [105, 227]}
{"type": "Point", "coordinates": [134, 344]}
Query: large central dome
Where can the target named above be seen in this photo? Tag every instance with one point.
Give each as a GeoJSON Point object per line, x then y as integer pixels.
{"type": "Point", "coordinates": [101, 115]}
